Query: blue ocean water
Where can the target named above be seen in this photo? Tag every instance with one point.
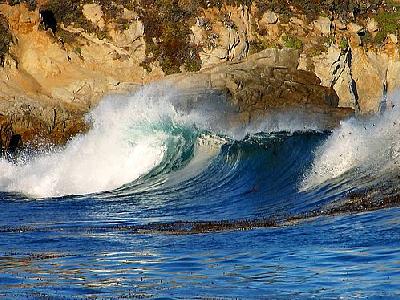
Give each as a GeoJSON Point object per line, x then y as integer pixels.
{"type": "Point", "coordinates": [69, 217]}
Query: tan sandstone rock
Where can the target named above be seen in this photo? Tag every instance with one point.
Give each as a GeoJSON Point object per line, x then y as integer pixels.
{"type": "Point", "coordinates": [93, 13]}
{"type": "Point", "coordinates": [269, 17]}
{"type": "Point", "coordinates": [323, 24]}
{"type": "Point", "coordinates": [372, 25]}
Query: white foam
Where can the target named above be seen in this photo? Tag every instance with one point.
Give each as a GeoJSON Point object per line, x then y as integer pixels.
{"type": "Point", "coordinates": [370, 146]}
{"type": "Point", "coordinates": [123, 144]}
{"type": "Point", "coordinates": [118, 150]}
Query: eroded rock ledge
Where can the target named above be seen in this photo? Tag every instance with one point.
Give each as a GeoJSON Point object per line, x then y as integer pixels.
{"type": "Point", "coordinates": [58, 58]}
{"type": "Point", "coordinates": [263, 84]}
{"type": "Point", "coordinates": [28, 123]}
{"type": "Point", "coordinates": [266, 84]}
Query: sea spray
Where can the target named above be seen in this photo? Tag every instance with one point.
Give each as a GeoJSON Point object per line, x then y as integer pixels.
{"type": "Point", "coordinates": [147, 133]}
{"type": "Point", "coordinates": [136, 138]}
{"type": "Point", "coordinates": [359, 147]}
{"type": "Point", "coordinates": [103, 159]}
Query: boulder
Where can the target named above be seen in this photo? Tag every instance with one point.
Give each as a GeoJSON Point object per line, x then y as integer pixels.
{"type": "Point", "coordinates": [266, 84]}
{"type": "Point", "coordinates": [372, 25]}
{"type": "Point", "coordinates": [323, 24]}
{"type": "Point", "coordinates": [269, 17]}
{"type": "Point", "coordinates": [354, 28]}
{"type": "Point", "coordinates": [93, 13]}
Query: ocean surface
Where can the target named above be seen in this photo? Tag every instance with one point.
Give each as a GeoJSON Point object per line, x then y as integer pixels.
{"type": "Point", "coordinates": [165, 200]}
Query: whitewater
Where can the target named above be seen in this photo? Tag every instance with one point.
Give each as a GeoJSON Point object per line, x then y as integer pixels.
{"type": "Point", "coordinates": [165, 196]}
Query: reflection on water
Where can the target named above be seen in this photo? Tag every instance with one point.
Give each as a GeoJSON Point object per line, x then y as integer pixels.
{"type": "Point", "coordinates": [350, 256]}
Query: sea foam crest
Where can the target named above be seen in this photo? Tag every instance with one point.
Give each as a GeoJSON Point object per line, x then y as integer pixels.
{"type": "Point", "coordinates": [359, 147]}
{"type": "Point", "coordinates": [117, 150]}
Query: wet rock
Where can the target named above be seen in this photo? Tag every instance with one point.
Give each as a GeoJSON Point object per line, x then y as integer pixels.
{"type": "Point", "coordinates": [30, 124]}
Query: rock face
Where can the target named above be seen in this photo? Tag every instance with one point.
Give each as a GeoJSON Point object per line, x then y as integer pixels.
{"type": "Point", "coordinates": [269, 17]}
{"type": "Point", "coordinates": [93, 13]}
{"type": "Point", "coordinates": [323, 25]}
{"type": "Point", "coordinates": [31, 124]}
{"type": "Point", "coordinates": [97, 48]}
{"type": "Point", "coordinates": [59, 58]}
{"type": "Point", "coordinates": [226, 40]}
{"type": "Point", "coordinates": [266, 84]}
{"type": "Point", "coordinates": [362, 79]}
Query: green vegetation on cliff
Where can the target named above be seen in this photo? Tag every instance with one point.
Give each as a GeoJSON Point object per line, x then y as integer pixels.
{"type": "Point", "coordinates": [344, 9]}
{"type": "Point", "coordinates": [343, 44]}
{"type": "Point", "coordinates": [66, 12]}
{"type": "Point", "coordinates": [167, 34]}
{"type": "Point", "coordinates": [388, 22]}
{"type": "Point", "coordinates": [30, 3]}
{"type": "Point", "coordinates": [167, 23]}
{"type": "Point", "coordinates": [293, 42]}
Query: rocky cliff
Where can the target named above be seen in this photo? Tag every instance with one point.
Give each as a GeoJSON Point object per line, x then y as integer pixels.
{"type": "Point", "coordinates": [58, 58]}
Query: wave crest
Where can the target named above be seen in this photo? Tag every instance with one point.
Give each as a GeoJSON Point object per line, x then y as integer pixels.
{"type": "Point", "coordinates": [361, 152]}
{"type": "Point", "coordinates": [129, 137]}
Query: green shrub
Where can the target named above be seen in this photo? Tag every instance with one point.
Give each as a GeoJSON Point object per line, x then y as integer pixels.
{"type": "Point", "coordinates": [380, 37]}
{"type": "Point", "coordinates": [367, 39]}
{"type": "Point", "coordinates": [343, 44]}
{"type": "Point", "coordinates": [122, 24]}
{"type": "Point", "coordinates": [69, 12]}
{"type": "Point", "coordinates": [102, 34]}
{"type": "Point", "coordinates": [78, 50]}
{"type": "Point", "coordinates": [317, 50]}
{"type": "Point", "coordinates": [30, 3]}
{"type": "Point", "coordinates": [293, 42]}
{"type": "Point", "coordinates": [314, 8]}
{"type": "Point", "coordinates": [388, 22]}
{"type": "Point", "coordinates": [167, 35]}
{"type": "Point", "coordinates": [193, 62]}
{"type": "Point", "coordinates": [259, 45]}
{"type": "Point", "coordinates": [67, 37]}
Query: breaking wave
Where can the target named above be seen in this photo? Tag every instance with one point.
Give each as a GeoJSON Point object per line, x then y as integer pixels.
{"type": "Point", "coordinates": [156, 142]}
{"type": "Point", "coordinates": [361, 154]}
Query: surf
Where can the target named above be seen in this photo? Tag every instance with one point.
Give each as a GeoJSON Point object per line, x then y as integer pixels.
{"type": "Point", "coordinates": [160, 143]}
